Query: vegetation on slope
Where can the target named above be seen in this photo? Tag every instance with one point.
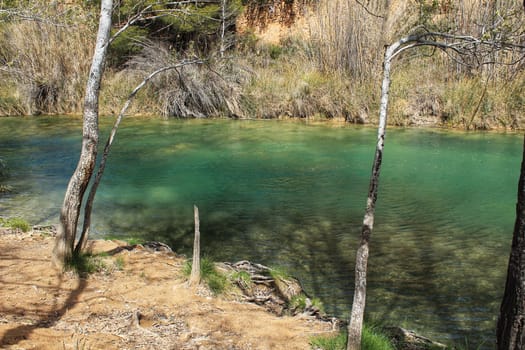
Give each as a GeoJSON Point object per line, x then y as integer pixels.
{"type": "Point", "coordinates": [327, 65]}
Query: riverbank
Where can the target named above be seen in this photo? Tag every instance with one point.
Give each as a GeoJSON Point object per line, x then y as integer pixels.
{"type": "Point", "coordinates": [139, 300]}
{"type": "Point", "coordinates": [278, 66]}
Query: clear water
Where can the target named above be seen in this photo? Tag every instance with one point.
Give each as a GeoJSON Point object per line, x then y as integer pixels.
{"type": "Point", "coordinates": [292, 195]}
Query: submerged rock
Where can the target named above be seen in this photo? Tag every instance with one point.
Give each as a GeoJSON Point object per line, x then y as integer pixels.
{"type": "Point", "coordinates": [4, 172]}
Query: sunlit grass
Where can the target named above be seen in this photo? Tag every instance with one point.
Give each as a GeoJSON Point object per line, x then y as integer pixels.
{"type": "Point", "coordinates": [15, 223]}
{"type": "Point", "coordinates": [216, 281]}
{"type": "Point", "coordinates": [372, 339]}
{"type": "Point", "coordinates": [84, 264]}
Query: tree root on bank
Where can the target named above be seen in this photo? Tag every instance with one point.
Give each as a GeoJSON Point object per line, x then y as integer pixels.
{"type": "Point", "coordinates": [276, 292]}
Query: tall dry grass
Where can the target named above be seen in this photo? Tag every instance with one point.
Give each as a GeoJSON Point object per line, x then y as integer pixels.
{"type": "Point", "coordinates": [349, 39]}
{"type": "Point", "coordinates": [288, 83]}
{"type": "Point", "coordinates": [332, 71]}
{"type": "Point", "coordinates": [346, 38]}
{"type": "Point", "coordinates": [350, 35]}
{"type": "Point", "coordinates": [211, 89]}
{"type": "Point", "coordinates": [46, 64]}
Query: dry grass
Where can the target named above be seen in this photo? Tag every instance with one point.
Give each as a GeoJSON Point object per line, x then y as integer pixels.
{"type": "Point", "coordinates": [47, 66]}
{"type": "Point", "coordinates": [346, 38]}
{"type": "Point", "coordinates": [330, 68]}
{"type": "Point", "coordinates": [144, 305]}
{"type": "Point", "coordinates": [211, 89]}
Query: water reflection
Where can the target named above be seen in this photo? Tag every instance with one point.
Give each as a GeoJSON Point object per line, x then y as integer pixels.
{"type": "Point", "coordinates": [293, 195]}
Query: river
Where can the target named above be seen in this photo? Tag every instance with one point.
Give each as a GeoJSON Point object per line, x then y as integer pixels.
{"type": "Point", "coordinates": [292, 194]}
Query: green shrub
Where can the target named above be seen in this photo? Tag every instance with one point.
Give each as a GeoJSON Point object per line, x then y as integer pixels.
{"type": "Point", "coordinates": [337, 342]}
{"type": "Point", "coordinates": [279, 273]}
{"type": "Point", "coordinates": [119, 263]}
{"type": "Point", "coordinates": [241, 277]}
{"type": "Point", "coordinates": [85, 263]}
{"type": "Point", "coordinates": [15, 223]}
{"type": "Point", "coordinates": [317, 303]}
{"type": "Point", "coordinates": [298, 302]}
{"type": "Point", "coordinates": [125, 45]}
{"type": "Point", "coordinates": [275, 51]}
{"type": "Point", "coordinates": [215, 280]}
{"type": "Point", "coordinates": [372, 339]}
{"type": "Point", "coordinates": [217, 283]}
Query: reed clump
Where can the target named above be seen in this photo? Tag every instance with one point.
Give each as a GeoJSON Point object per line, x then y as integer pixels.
{"type": "Point", "coordinates": [211, 88]}
{"type": "Point", "coordinates": [45, 67]}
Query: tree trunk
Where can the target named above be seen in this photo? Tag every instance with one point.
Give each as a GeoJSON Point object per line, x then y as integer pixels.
{"type": "Point", "coordinates": [102, 166]}
{"type": "Point", "coordinates": [511, 322]}
{"type": "Point", "coordinates": [358, 306]}
{"type": "Point", "coordinates": [69, 214]}
{"type": "Point", "coordinates": [223, 28]}
{"type": "Point", "coordinates": [195, 276]}
{"type": "Point", "coordinates": [512, 318]}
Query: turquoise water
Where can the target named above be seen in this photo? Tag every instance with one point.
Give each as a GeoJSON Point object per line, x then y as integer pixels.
{"type": "Point", "coordinates": [292, 195]}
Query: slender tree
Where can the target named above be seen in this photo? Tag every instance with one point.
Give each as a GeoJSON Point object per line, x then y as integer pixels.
{"type": "Point", "coordinates": [79, 181]}
{"type": "Point", "coordinates": [358, 306]}
{"type": "Point", "coordinates": [65, 247]}
{"type": "Point", "coordinates": [107, 148]}
{"type": "Point", "coordinates": [510, 332]}
{"type": "Point", "coordinates": [460, 48]}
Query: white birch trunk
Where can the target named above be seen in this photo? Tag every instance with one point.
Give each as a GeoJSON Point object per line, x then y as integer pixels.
{"type": "Point", "coordinates": [91, 197]}
{"type": "Point", "coordinates": [358, 306]}
{"type": "Point", "coordinates": [223, 28]}
{"type": "Point", "coordinates": [69, 214]}
{"type": "Point", "coordinates": [195, 276]}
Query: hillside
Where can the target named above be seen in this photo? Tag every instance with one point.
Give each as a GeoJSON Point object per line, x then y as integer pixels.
{"type": "Point", "coordinates": [271, 59]}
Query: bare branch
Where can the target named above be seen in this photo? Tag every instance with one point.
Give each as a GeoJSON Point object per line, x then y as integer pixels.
{"type": "Point", "coordinates": [129, 23]}
{"type": "Point", "coordinates": [368, 11]}
{"type": "Point", "coordinates": [36, 12]}
{"type": "Point", "coordinates": [149, 13]}
{"type": "Point", "coordinates": [89, 204]}
{"type": "Point", "coordinates": [460, 46]}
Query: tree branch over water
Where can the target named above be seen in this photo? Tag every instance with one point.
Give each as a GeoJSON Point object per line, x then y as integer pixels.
{"type": "Point", "coordinates": [460, 48]}
{"type": "Point", "coordinates": [91, 197]}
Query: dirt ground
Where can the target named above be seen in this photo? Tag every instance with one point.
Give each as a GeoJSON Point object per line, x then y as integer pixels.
{"type": "Point", "coordinates": [140, 301]}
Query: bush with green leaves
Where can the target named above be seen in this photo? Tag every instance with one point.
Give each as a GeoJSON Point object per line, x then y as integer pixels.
{"type": "Point", "coordinates": [125, 45]}
{"type": "Point", "coordinates": [84, 264]}
{"type": "Point", "coordinates": [242, 278]}
{"type": "Point", "coordinates": [374, 339]}
{"type": "Point", "coordinates": [336, 342]}
{"type": "Point", "coordinates": [183, 25]}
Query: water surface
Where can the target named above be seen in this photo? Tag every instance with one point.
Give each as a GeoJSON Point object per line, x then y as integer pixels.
{"type": "Point", "coordinates": [292, 195]}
